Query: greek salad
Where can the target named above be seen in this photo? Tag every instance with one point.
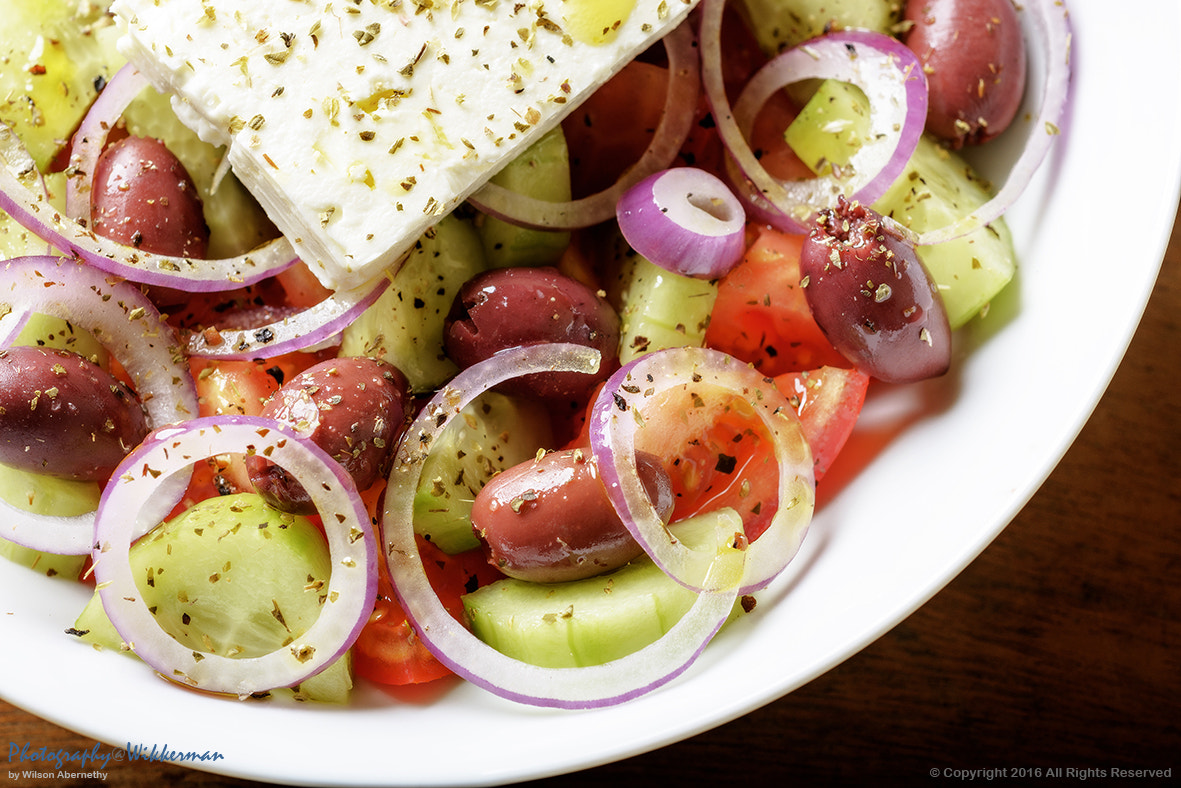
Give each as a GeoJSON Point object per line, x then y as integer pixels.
{"type": "Point", "coordinates": [551, 443]}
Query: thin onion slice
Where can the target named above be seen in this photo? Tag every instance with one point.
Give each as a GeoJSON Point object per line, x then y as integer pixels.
{"type": "Point", "coordinates": [128, 325]}
{"type": "Point", "coordinates": [309, 328]}
{"type": "Point", "coordinates": [37, 214]}
{"type": "Point", "coordinates": [128, 502]}
{"type": "Point", "coordinates": [1050, 20]}
{"type": "Point", "coordinates": [461, 651]}
{"type": "Point", "coordinates": [684, 220]}
{"type": "Point", "coordinates": [676, 122]}
{"type": "Point", "coordinates": [91, 137]}
{"type": "Point", "coordinates": [618, 416]}
{"type": "Point", "coordinates": [887, 72]}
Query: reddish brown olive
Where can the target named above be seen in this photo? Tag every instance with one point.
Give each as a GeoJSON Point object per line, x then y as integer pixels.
{"type": "Point", "coordinates": [355, 409]}
{"type": "Point", "coordinates": [872, 297]}
{"type": "Point", "coordinates": [973, 54]}
{"type": "Point", "coordinates": [549, 519]}
{"type": "Point", "coordinates": [63, 415]}
{"type": "Point", "coordinates": [143, 197]}
{"type": "Point", "coordinates": [510, 307]}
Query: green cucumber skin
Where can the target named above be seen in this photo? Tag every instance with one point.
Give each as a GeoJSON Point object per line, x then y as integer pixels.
{"type": "Point", "coordinates": [580, 623]}
{"type": "Point", "coordinates": [936, 188]}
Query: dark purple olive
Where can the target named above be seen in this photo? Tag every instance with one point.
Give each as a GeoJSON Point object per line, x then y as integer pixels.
{"type": "Point", "coordinates": [510, 307]}
{"type": "Point", "coordinates": [872, 297]}
{"type": "Point", "coordinates": [63, 415]}
{"type": "Point", "coordinates": [143, 197]}
{"type": "Point", "coordinates": [355, 409]}
{"type": "Point", "coordinates": [973, 54]}
{"type": "Point", "coordinates": [549, 520]}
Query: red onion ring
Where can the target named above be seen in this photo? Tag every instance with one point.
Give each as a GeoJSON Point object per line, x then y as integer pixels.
{"type": "Point", "coordinates": [889, 74]}
{"type": "Point", "coordinates": [1050, 20]}
{"type": "Point", "coordinates": [37, 215]}
{"type": "Point", "coordinates": [684, 220]}
{"type": "Point", "coordinates": [128, 325]}
{"type": "Point", "coordinates": [675, 124]}
{"type": "Point", "coordinates": [91, 137]}
{"type": "Point", "coordinates": [309, 328]}
{"type": "Point", "coordinates": [617, 417]}
{"type": "Point", "coordinates": [471, 658]}
{"type": "Point", "coordinates": [352, 588]}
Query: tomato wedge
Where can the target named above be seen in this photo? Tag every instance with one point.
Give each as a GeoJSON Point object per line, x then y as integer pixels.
{"type": "Point", "coordinates": [388, 650]}
{"type": "Point", "coordinates": [761, 315]}
{"type": "Point", "coordinates": [828, 401]}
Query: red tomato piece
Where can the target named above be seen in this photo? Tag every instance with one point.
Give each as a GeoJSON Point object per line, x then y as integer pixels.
{"type": "Point", "coordinates": [388, 650]}
{"type": "Point", "coordinates": [828, 401]}
{"type": "Point", "coordinates": [761, 315]}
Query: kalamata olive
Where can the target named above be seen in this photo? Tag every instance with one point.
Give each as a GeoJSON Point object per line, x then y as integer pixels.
{"type": "Point", "coordinates": [510, 307]}
{"type": "Point", "coordinates": [63, 415]}
{"type": "Point", "coordinates": [549, 519]}
{"type": "Point", "coordinates": [355, 409]}
{"type": "Point", "coordinates": [973, 54]}
{"type": "Point", "coordinates": [872, 297]}
{"type": "Point", "coordinates": [143, 196]}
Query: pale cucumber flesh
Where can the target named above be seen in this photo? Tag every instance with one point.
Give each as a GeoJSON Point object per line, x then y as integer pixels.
{"type": "Point", "coordinates": [582, 622]}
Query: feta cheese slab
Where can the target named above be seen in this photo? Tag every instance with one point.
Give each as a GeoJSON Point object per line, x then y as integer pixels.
{"type": "Point", "coordinates": [357, 124]}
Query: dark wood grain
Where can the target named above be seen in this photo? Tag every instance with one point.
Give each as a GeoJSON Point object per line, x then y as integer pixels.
{"type": "Point", "coordinates": [1059, 647]}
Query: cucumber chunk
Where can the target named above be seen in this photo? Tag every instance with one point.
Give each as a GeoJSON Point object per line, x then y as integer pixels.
{"type": "Point", "coordinates": [831, 127]}
{"type": "Point", "coordinates": [660, 309]}
{"type": "Point", "coordinates": [583, 622]}
{"type": "Point", "coordinates": [493, 433]}
{"type": "Point", "coordinates": [542, 172]}
{"type": "Point", "coordinates": [784, 23]}
{"type": "Point", "coordinates": [405, 325]}
{"type": "Point", "coordinates": [936, 188]}
{"type": "Point", "coordinates": [52, 332]}
{"type": "Point", "coordinates": [229, 576]}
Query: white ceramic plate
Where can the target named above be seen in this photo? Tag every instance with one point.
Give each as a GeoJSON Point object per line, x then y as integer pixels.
{"type": "Point", "coordinates": [963, 455]}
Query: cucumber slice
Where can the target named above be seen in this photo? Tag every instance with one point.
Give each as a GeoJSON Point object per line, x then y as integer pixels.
{"type": "Point", "coordinates": [660, 309]}
{"type": "Point", "coordinates": [405, 325]}
{"type": "Point", "coordinates": [230, 576]}
{"type": "Point", "coordinates": [493, 433]}
{"type": "Point", "coordinates": [584, 622]}
{"type": "Point", "coordinates": [543, 172]}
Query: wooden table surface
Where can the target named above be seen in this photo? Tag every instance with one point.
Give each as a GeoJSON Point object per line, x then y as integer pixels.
{"type": "Point", "coordinates": [1058, 648]}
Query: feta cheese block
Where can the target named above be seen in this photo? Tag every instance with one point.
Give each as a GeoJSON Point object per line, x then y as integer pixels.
{"type": "Point", "coordinates": [357, 124]}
